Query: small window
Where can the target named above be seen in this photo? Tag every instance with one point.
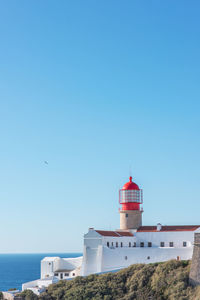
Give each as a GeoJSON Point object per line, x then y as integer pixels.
{"type": "Point", "coordinates": [141, 244]}
{"type": "Point", "coordinates": [112, 244]}
{"type": "Point", "coordinates": [73, 274]}
{"type": "Point", "coordinates": [116, 244]}
{"type": "Point", "coordinates": [121, 244]}
{"type": "Point", "coordinates": [107, 244]}
{"type": "Point", "coordinates": [149, 244]}
{"type": "Point", "coordinates": [129, 244]}
{"type": "Point", "coordinates": [162, 244]}
{"type": "Point", "coordinates": [55, 274]}
{"type": "Point", "coordinates": [148, 257]}
{"type": "Point", "coordinates": [66, 274]}
{"type": "Point", "coordinates": [125, 257]}
{"type": "Point", "coordinates": [134, 244]}
{"type": "Point", "coordinates": [171, 244]}
{"type": "Point", "coordinates": [49, 264]}
{"type": "Point", "coordinates": [126, 215]}
{"type": "Point", "coordinates": [184, 244]}
{"type": "Point", "coordinates": [61, 275]}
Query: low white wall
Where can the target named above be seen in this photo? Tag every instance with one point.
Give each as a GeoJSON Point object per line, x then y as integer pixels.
{"type": "Point", "coordinates": [123, 257]}
{"type": "Point", "coordinates": [38, 284]}
{"type": "Point", "coordinates": [8, 296]}
{"type": "Point", "coordinates": [29, 284]}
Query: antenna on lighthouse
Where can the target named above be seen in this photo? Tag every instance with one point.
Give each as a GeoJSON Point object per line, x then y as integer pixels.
{"type": "Point", "coordinates": [130, 170]}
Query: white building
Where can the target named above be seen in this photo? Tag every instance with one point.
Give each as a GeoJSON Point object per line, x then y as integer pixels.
{"type": "Point", "coordinates": [112, 250]}
{"type": "Point", "coordinates": [54, 269]}
{"type": "Point", "coordinates": [106, 251]}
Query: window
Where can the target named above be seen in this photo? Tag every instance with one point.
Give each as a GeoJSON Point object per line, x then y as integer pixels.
{"type": "Point", "coordinates": [171, 244]}
{"type": "Point", "coordinates": [148, 257]}
{"type": "Point", "coordinates": [61, 275]}
{"type": "Point", "coordinates": [73, 274]}
{"type": "Point", "coordinates": [149, 244]}
{"type": "Point", "coordinates": [116, 244]}
{"type": "Point", "coordinates": [134, 244]}
{"type": "Point", "coordinates": [184, 244]}
{"type": "Point", "coordinates": [121, 244]}
{"type": "Point", "coordinates": [49, 264]}
{"type": "Point", "coordinates": [66, 274]}
{"type": "Point", "coordinates": [125, 257]}
{"type": "Point", "coordinates": [112, 244]}
{"type": "Point", "coordinates": [55, 274]}
{"type": "Point", "coordinates": [129, 244]}
{"type": "Point", "coordinates": [107, 244]}
{"type": "Point", "coordinates": [162, 244]}
{"type": "Point", "coordinates": [126, 215]}
{"type": "Point", "coordinates": [141, 244]}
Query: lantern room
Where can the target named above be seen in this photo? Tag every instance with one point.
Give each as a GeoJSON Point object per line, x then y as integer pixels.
{"type": "Point", "coordinates": [130, 196]}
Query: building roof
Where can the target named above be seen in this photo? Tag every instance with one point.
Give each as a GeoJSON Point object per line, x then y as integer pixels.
{"type": "Point", "coordinates": [114, 233]}
{"type": "Point", "coordinates": [168, 228]}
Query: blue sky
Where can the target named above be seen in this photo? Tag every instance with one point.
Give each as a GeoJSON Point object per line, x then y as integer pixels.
{"type": "Point", "coordinates": [94, 87]}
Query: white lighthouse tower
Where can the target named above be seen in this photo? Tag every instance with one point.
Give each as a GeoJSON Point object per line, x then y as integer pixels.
{"type": "Point", "coordinates": [130, 199]}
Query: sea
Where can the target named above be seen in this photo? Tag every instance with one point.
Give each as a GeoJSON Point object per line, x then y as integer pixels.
{"type": "Point", "coordinates": [16, 269]}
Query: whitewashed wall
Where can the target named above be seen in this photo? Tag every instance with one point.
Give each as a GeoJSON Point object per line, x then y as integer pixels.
{"type": "Point", "coordinates": [47, 266]}
{"type": "Point", "coordinates": [156, 237]}
{"type": "Point", "coordinates": [50, 265]}
{"type": "Point", "coordinates": [115, 258]}
{"type": "Point", "coordinates": [100, 258]}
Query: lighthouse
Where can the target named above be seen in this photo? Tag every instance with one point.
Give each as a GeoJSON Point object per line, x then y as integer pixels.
{"type": "Point", "coordinates": [130, 199]}
{"type": "Point", "coordinates": [111, 250]}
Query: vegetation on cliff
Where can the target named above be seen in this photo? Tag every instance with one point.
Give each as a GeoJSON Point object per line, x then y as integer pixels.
{"type": "Point", "coordinates": [168, 280]}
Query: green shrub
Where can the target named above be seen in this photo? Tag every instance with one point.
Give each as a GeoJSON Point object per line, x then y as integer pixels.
{"type": "Point", "coordinates": [159, 281]}
{"type": "Point", "coordinates": [28, 295]}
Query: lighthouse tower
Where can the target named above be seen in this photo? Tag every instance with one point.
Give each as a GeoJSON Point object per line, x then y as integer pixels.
{"type": "Point", "coordinates": [130, 199]}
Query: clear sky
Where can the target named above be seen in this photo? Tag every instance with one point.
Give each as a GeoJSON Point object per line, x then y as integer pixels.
{"type": "Point", "coordinates": [94, 87]}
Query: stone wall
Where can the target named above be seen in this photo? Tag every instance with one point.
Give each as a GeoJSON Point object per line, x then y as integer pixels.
{"type": "Point", "coordinates": [130, 219]}
{"type": "Point", "coordinates": [194, 277]}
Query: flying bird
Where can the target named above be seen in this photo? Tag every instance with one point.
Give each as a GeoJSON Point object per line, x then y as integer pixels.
{"type": "Point", "coordinates": [46, 162]}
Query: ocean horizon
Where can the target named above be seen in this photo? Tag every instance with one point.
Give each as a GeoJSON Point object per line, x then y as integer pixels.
{"type": "Point", "coordinates": [16, 269]}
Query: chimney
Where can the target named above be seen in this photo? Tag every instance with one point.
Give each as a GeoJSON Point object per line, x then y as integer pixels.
{"type": "Point", "coordinates": [159, 227]}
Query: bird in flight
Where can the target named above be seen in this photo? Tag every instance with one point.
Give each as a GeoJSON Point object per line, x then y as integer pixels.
{"type": "Point", "coordinates": [46, 162]}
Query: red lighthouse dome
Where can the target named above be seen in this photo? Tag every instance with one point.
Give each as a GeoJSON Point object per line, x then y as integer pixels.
{"type": "Point", "coordinates": [130, 196]}
{"type": "Point", "coordinates": [130, 185]}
